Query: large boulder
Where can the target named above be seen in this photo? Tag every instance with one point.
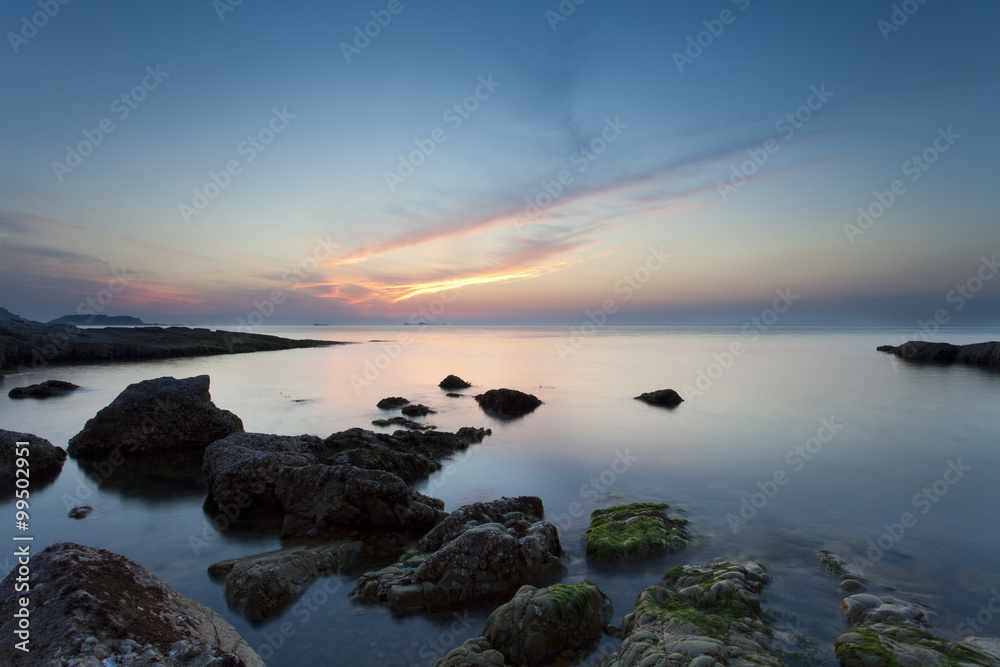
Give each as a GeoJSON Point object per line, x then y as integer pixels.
{"type": "Point", "coordinates": [91, 607]}
{"type": "Point", "coordinates": [698, 615]}
{"type": "Point", "coordinates": [507, 403]}
{"type": "Point", "coordinates": [45, 460]}
{"type": "Point", "coordinates": [633, 532]}
{"type": "Point", "coordinates": [155, 416]}
{"type": "Point", "coordinates": [478, 561]}
{"type": "Point", "coordinates": [46, 389]}
{"type": "Point", "coordinates": [539, 624]}
{"type": "Point", "coordinates": [262, 585]}
{"type": "Point", "coordinates": [311, 483]}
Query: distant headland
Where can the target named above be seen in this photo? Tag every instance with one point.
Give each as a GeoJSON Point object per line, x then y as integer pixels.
{"type": "Point", "coordinates": [100, 320]}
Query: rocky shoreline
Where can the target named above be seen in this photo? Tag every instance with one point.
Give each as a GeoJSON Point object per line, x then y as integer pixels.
{"type": "Point", "coordinates": [344, 505]}
{"type": "Point", "coordinates": [26, 345]}
{"type": "Point", "coordinates": [975, 354]}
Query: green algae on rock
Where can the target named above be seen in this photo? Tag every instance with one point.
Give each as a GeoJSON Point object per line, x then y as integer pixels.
{"type": "Point", "coordinates": [632, 532]}
{"type": "Point", "coordinates": [699, 615]}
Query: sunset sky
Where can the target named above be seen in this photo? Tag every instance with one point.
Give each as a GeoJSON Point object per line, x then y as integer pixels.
{"type": "Point", "coordinates": [537, 159]}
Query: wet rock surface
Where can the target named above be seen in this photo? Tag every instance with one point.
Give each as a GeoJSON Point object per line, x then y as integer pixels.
{"type": "Point", "coordinates": [507, 403]}
{"type": "Point", "coordinates": [103, 609]}
{"type": "Point", "coordinates": [157, 415]}
{"type": "Point", "coordinates": [479, 554]}
{"type": "Point", "coordinates": [664, 398]}
{"type": "Point", "coordinates": [633, 532]}
{"type": "Point", "coordinates": [699, 616]}
{"type": "Point", "coordinates": [45, 459]}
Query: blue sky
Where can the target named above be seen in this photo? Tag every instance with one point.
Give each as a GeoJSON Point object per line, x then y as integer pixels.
{"type": "Point", "coordinates": [267, 152]}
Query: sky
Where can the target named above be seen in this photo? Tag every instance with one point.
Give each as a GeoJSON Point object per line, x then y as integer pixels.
{"type": "Point", "coordinates": [501, 161]}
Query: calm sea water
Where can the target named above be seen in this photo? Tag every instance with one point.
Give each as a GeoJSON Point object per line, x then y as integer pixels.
{"type": "Point", "coordinates": [855, 437]}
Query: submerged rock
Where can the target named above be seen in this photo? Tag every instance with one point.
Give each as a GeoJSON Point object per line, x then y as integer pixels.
{"type": "Point", "coordinates": [851, 577]}
{"type": "Point", "coordinates": [405, 423]}
{"type": "Point", "coordinates": [263, 585]}
{"type": "Point", "coordinates": [46, 389]}
{"type": "Point", "coordinates": [633, 532]}
{"type": "Point", "coordinates": [80, 512]}
{"type": "Point", "coordinates": [454, 382]}
{"type": "Point", "coordinates": [154, 416]}
{"type": "Point", "coordinates": [475, 558]}
{"type": "Point", "coordinates": [665, 398]}
{"type": "Point", "coordinates": [976, 354]}
{"type": "Point", "coordinates": [45, 460]}
{"type": "Point", "coordinates": [392, 402]}
{"type": "Point", "coordinates": [101, 608]}
{"type": "Point", "coordinates": [698, 616]}
{"type": "Point", "coordinates": [507, 403]}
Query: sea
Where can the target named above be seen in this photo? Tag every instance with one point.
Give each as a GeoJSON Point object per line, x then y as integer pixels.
{"type": "Point", "coordinates": [790, 440]}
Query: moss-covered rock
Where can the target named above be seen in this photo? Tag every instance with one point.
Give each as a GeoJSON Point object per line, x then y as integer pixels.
{"type": "Point", "coordinates": [632, 532]}
{"type": "Point", "coordinates": [699, 615]}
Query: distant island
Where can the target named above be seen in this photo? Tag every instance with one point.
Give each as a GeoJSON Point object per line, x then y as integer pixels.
{"type": "Point", "coordinates": [99, 320]}
{"type": "Point", "coordinates": [25, 344]}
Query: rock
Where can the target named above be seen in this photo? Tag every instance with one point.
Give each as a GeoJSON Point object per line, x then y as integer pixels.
{"type": "Point", "coordinates": [976, 354]}
{"type": "Point", "coordinates": [698, 615]}
{"type": "Point", "coordinates": [471, 563]}
{"type": "Point", "coordinates": [154, 416]}
{"type": "Point", "coordinates": [418, 410]}
{"type": "Point", "coordinates": [507, 403]}
{"type": "Point", "coordinates": [632, 532]}
{"type": "Point", "coordinates": [392, 402]}
{"type": "Point", "coordinates": [80, 512]}
{"type": "Point", "coordinates": [472, 435]}
{"type": "Point", "coordinates": [665, 398]}
{"type": "Point", "coordinates": [405, 423]}
{"type": "Point", "coordinates": [21, 343]}
{"type": "Point", "coordinates": [263, 585]}
{"type": "Point", "coordinates": [890, 632]}
{"type": "Point", "coordinates": [454, 382]}
{"type": "Point", "coordinates": [45, 460]}
{"type": "Point", "coordinates": [839, 566]}
{"type": "Point", "coordinates": [452, 394]}
{"type": "Point", "coordinates": [46, 389]}
{"type": "Point", "coordinates": [475, 652]}
{"type": "Point", "coordinates": [539, 624]}
{"type": "Point", "coordinates": [101, 608]}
